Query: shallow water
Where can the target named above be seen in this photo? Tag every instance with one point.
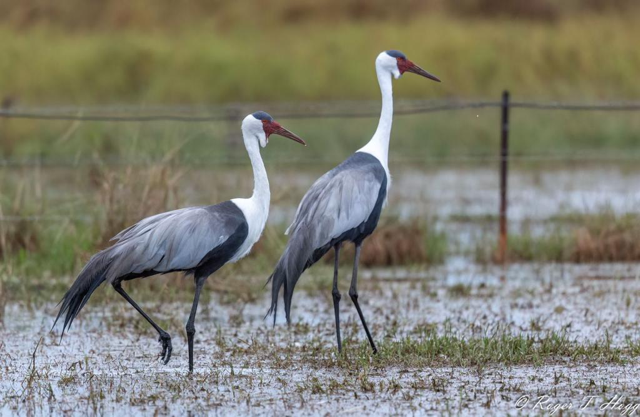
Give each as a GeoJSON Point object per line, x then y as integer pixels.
{"type": "Point", "coordinates": [533, 194]}
{"type": "Point", "coordinates": [107, 363]}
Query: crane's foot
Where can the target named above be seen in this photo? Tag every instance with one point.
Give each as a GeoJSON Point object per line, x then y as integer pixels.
{"type": "Point", "coordinates": [165, 340]}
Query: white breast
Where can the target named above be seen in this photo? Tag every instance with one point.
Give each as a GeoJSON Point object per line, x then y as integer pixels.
{"type": "Point", "coordinates": [256, 219]}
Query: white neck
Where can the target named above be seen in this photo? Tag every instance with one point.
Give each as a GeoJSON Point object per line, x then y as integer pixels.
{"type": "Point", "coordinates": [378, 146]}
{"type": "Point", "coordinates": [261, 194]}
{"type": "Point", "coordinates": [256, 208]}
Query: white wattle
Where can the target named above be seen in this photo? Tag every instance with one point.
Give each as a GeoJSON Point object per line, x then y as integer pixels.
{"type": "Point", "coordinates": [256, 208]}
{"type": "Point", "coordinates": [378, 146]}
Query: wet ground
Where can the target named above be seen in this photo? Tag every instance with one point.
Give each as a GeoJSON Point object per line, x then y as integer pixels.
{"type": "Point", "coordinates": [108, 364]}
{"type": "Point", "coordinates": [443, 191]}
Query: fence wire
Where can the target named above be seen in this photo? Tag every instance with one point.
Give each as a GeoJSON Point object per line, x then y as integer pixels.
{"type": "Point", "coordinates": [337, 110]}
{"type": "Point", "coordinates": [305, 110]}
{"type": "Point", "coordinates": [209, 163]}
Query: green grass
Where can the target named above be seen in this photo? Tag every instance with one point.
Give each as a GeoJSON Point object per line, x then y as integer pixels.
{"type": "Point", "coordinates": [44, 257]}
{"type": "Point", "coordinates": [202, 62]}
{"type": "Point", "coordinates": [429, 348]}
{"type": "Point", "coordinates": [210, 62]}
{"type": "Point", "coordinates": [76, 53]}
{"type": "Point", "coordinates": [43, 271]}
{"type": "Point", "coordinates": [419, 139]}
{"type": "Point", "coordinates": [43, 274]}
{"type": "Point", "coordinates": [552, 247]}
{"type": "Point", "coordinates": [501, 349]}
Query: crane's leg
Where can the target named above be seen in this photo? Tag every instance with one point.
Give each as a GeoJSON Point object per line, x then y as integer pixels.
{"type": "Point", "coordinates": [353, 293]}
{"type": "Point", "coordinates": [336, 296]}
{"type": "Point", "coordinates": [191, 329]}
{"type": "Point", "coordinates": [164, 339]}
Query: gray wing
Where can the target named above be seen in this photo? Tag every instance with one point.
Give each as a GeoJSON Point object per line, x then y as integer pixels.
{"type": "Point", "coordinates": [176, 240]}
{"type": "Point", "coordinates": [340, 200]}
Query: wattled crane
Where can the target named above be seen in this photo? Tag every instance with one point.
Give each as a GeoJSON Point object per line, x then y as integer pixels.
{"type": "Point", "coordinates": [194, 240]}
{"type": "Point", "coordinates": [344, 204]}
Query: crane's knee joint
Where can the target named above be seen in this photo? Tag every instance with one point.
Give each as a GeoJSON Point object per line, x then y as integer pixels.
{"type": "Point", "coordinates": [191, 329]}
{"type": "Point", "coordinates": [353, 294]}
{"type": "Point", "coordinates": [116, 285]}
{"type": "Point", "coordinates": [336, 295]}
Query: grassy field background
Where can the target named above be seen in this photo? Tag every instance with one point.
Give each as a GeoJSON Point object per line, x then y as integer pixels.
{"type": "Point", "coordinates": [455, 330]}
{"type": "Point", "coordinates": [213, 52]}
{"type": "Point", "coordinates": [150, 53]}
{"type": "Point", "coordinates": [89, 175]}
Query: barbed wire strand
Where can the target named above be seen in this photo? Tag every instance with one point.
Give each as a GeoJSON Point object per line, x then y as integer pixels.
{"type": "Point", "coordinates": [285, 111]}
{"type": "Point", "coordinates": [215, 164]}
{"type": "Point", "coordinates": [307, 111]}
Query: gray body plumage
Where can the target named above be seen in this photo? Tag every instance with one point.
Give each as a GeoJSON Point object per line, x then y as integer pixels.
{"type": "Point", "coordinates": [342, 205]}
{"type": "Point", "coordinates": [178, 240]}
{"type": "Point", "coordinates": [195, 240]}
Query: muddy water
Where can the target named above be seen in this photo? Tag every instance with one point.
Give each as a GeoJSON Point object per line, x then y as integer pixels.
{"type": "Point", "coordinates": [533, 194]}
{"type": "Point", "coordinates": [107, 363]}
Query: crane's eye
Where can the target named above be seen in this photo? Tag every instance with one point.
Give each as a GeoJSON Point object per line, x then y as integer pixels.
{"type": "Point", "coordinates": [269, 127]}
{"type": "Point", "coordinates": [403, 65]}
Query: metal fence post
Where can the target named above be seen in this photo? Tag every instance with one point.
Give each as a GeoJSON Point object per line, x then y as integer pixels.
{"type": "Point", "coordinates": [504, 158]}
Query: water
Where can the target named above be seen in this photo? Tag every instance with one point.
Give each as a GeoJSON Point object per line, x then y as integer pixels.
{"type": "Point", "coordinates": [107, 363]}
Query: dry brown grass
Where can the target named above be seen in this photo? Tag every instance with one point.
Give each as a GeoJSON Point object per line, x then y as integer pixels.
{"type": "Point", "coordinates": [121, 14]}
{"type": "Point", "coordinates": [18, 236]}
{"type": "Point", "coordinates": [615, 242]}
{"type": "Point", "coordinates": [22, 234]}
{"type": "Point", "coordinates": [546, 10]}
{"type": "Point", "coordinates": [395, 243]}
{"type": "Point", "coordinates": [578, 238]}
{"type": "Point", "coordinates": [129, 195]}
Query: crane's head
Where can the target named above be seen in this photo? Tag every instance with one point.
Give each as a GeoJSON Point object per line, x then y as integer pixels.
{"type": "Point", "coordinates": [261, 125]}
{"type": "Point", "coordinates": [397, 64]}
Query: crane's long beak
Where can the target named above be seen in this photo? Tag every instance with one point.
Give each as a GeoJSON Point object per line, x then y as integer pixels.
{"type": "Point", "coordinates": [287, 134]}
{"type": "Point", "coordinates": [417, 70]}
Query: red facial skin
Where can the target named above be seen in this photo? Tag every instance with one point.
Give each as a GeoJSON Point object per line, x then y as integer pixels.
{"type": "Point", "coordinates": [404, 65]}
{"type": "Point", "coordinates": [270, 127]}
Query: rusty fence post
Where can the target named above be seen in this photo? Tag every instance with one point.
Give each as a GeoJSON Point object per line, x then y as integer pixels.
{"type": "Point", "coordinates": [504, 159]}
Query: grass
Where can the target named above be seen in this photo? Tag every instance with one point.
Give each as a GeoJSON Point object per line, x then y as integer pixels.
{"type": "Point", "coordinates": [154, 54]}
{"type": "Point", "coordinates": [432, 349]}
{"type": "Point", "coordinates": [43, 257]}
{"type": "Point", "coordinates": [459, 290]}
{"type": "Point", "coordinates": [210, 62]}
{"type": "Point", "coordinates": [419, 140]}
{"type": "Point", "coordinates": [426, 347]}
{"type": "Point", "coordinates": [49, 271]}
{"type": "Point", "coordinates": [506, 349]}
{"type": "Point", "coordinates": [579, 238]}
{"type": "Point", "coordinates": [404, 370]}
{"type": "Point", "coordinates": [85, 53]}
{"type": "Point", "coordinates": [397, 243]}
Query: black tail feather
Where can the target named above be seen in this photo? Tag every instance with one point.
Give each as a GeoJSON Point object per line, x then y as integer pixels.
{"type": "Point", "coordinates": [287, 271]}
{"type": "Point", "coordinates": [297, 257]}
{"type": "Point", "coordinates": [90, 278]}
{"type": "Point", "coordinates": [273, 309]}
